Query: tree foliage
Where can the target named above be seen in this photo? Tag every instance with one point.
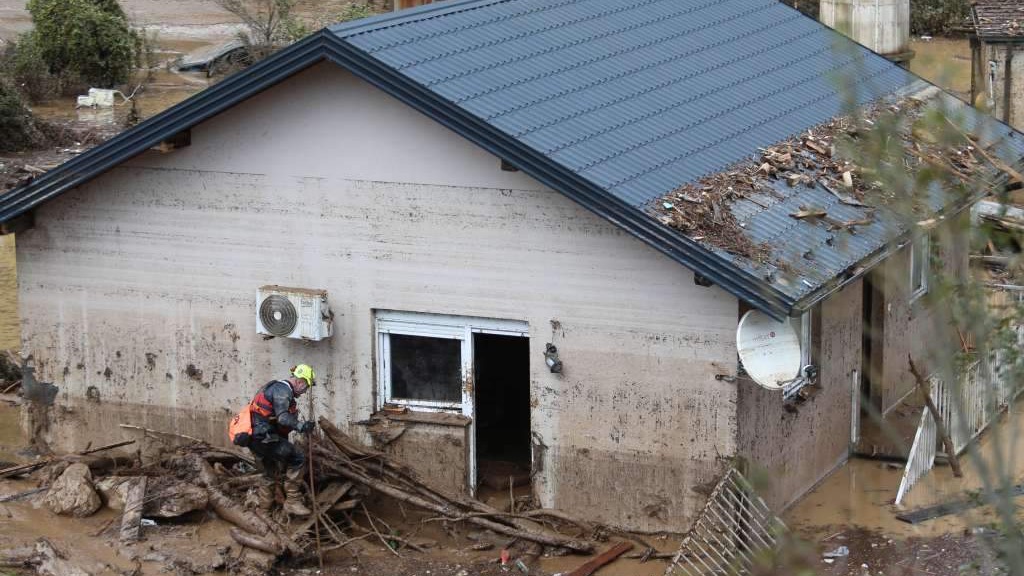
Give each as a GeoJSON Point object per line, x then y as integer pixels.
{"type": "Point", "coordinates": [938, 16]}
{"type": "Point", "coordinates": [90, 39]}
{"type": "Point", "coordinates": [16, 123]}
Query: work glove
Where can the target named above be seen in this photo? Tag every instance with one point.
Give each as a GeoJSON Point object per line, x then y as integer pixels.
{"type": "Point", "coordinates": [306, 427]}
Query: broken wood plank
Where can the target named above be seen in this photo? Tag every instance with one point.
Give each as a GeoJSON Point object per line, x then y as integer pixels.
{"type": "Point", "coordinates": [805, 213]}
{"type": "Point", "coordinates": [325, 501]}
{"type": "Point", "coordinates": [131, 519]}
{"type": "Point", "coordinates": [947, 508]}
{"type": "Point", "coordinates": [940, 426]}
{"type": "Point", "coordinates": [606, 557]}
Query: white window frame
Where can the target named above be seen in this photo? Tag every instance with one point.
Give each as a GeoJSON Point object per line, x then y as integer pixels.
{"type": "Point", "coordinates": [923, 242]}
{"type": "Point", "coordinates": [459, 328]}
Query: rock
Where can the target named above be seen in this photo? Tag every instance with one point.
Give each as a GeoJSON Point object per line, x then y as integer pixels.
{"type": "Point", "coordinates": [170, 498]}
{"type": "Point", "coordinates": [72, 494]}
{"type": "Point", "coordinates": [113, 489]}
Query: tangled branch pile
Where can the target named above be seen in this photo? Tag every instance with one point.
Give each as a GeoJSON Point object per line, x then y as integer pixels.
{"type": "Point", "coordinates": [889, 155]}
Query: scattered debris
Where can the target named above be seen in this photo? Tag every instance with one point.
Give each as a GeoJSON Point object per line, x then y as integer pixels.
{"type": "Point", "coordinates": [840, 552]}
{"type": "Point", "coordinates": [703, 210]}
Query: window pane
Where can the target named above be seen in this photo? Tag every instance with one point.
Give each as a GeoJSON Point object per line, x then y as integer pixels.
{"type": "Point", "coordinates": [425, 368]}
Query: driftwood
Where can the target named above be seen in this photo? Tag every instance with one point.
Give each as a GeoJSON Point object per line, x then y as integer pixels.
{"type": "Point", "coordinates": [384, 477]}
{"type": "Point", "coordinates": [256, 543]}
{"type": "Point", "coordinates": [233, 513]}
{"type": "Point", "coordinates": [940, 425]}
{"type": "Point", "coordinates": [131, 518]}
{"type": "Point", "coordinates": [27, 468]}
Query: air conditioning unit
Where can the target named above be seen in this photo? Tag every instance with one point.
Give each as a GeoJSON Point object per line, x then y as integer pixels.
{"type": "Point", "coordinates": [298, 313]}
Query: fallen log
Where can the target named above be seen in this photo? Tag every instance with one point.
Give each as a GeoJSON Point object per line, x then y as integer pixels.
{"type": "Point", "coordinates": [541, 537]}
{"type": "Point", "coordinates": [26, 468]}
{"type": "Point", "coordinates": [255, 542]}
{"type": "Point", "coordinates": [231, 512]}
{"type": "Point", "coordinates": [405, 479]}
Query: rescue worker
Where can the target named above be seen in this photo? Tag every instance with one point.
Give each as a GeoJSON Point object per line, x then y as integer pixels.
{"type": "Point", "coordinates": [274, 416]}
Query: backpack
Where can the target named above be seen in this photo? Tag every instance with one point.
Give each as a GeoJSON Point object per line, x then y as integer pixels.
{"type": "Point", "coordinates": [240, 427]}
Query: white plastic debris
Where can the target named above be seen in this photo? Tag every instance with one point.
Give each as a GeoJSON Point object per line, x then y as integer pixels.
{"type": "Point", "coordinates": [841, 552]}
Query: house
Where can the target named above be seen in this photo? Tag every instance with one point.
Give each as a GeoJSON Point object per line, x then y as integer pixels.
{"type": "Point", "coordinates": [997, 40]}
{"type": "Point", "coordinates": [474, 188]}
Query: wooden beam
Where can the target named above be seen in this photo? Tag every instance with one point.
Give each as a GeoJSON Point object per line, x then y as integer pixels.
{"type": "Point", "coordinates": [18, 224]}
{"type": "Point", "coordinates": [606, 557]}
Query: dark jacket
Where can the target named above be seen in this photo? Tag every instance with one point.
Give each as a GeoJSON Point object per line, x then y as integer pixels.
{"type": "Point", "coordinates": [278, 396]}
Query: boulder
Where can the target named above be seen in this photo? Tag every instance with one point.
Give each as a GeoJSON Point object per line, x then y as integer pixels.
{"type": "Point", "coordinates": [72, 494]}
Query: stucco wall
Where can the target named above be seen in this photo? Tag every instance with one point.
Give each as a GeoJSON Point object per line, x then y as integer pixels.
{"type": "Point", "coordinates": [142, 285]}
{"type": "Point", "coordinates": [788, 452]}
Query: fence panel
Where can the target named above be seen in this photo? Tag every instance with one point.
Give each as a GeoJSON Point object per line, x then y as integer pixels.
{"type": "Point", "coordinates": [734, 529]}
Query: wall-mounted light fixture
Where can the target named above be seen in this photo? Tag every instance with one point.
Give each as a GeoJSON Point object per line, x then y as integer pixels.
{"type": "Point", "coordinates": [551, 359]}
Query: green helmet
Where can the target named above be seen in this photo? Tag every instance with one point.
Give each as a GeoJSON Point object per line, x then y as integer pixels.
{"type": "Point", "coordinates": [305, 372]}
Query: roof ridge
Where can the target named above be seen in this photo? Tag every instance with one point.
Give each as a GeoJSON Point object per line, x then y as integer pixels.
{"type": "Point", "coordinates": [407, 16]}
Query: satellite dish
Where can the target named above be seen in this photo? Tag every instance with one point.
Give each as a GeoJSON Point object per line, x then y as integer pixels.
{"type": "Point", "coordinates": [769, 349]}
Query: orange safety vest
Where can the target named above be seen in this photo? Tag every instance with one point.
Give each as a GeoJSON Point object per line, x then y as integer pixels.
{"type": "Point", "coordinates": [265, 408]}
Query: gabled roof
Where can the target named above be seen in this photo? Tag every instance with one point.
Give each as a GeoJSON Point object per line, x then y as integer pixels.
{"type": "Point", "coordinates": [611, 102]}
{"type": "Point", "coordinates": [998, 19]}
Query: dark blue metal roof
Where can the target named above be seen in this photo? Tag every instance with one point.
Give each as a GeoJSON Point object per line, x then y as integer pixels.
{"type": "Point", "coordinates": [611, 102]}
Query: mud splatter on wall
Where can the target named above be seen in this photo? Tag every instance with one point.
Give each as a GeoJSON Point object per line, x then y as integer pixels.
{"type": "Point", "coordinates": [142, 285]}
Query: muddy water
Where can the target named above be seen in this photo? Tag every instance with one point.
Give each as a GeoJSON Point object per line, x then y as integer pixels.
{"type": "Point", "coordinates": [860, 495]}
{"type": "Point", "coordinates": [9, 329]}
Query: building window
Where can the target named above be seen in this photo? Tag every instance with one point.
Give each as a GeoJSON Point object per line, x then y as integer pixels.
{"type": "Point", "coordinates": [920, 257]}
{"type": "Point", "coordinates": [424, 361]}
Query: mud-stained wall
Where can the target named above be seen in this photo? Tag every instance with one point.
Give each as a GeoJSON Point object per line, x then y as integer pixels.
{"type": "Point", "coordinates": [789, 452]}
{"type": "Point", "coordinates": [918, 327]}
{"type": "Point", "coordinates": [139, 290]}
{"type": "Point", "coordinates": [436, 451]}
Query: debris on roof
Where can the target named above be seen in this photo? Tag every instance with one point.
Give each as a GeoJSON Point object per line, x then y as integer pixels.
{"type": "Point", "coordinates": [815, 159]}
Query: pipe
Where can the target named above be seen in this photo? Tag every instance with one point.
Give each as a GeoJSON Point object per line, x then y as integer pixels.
{"type": "Point", "coordinates": [1007, 83]}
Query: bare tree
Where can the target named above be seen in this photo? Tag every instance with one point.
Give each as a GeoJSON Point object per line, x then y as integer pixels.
{"type": "Point", "coordinates": [268, 22]}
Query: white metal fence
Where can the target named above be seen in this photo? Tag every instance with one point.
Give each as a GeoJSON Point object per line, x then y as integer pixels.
{"type": "Point", "coordinates": [967, 407]}
{"type": "Point", "coordinates": [735, 528]}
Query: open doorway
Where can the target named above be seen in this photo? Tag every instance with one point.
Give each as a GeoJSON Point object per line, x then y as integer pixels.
{"type": "Point", "coordinates": [502, 384]}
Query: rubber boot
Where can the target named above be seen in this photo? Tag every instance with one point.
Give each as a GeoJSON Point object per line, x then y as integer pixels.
{"type": "Point", "coordinates": [293, 494]}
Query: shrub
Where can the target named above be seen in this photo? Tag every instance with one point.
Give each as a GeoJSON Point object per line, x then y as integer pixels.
{"type": "Point", "coordinates": [938, 16]}
{"type": "Point", "coordinates": [90, 39]}
{"type": "Point", "coordinates": [16, 123]}
{"type": "Point", "coordinates": [23, 63]}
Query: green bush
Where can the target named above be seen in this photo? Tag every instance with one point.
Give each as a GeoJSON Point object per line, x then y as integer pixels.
{"type": "Point", "coordinates": [16, 123]}
{"type": "Point", "coordinates": [938, 17]}
{"type": "Point", "coordinates": [23, 64]}
{"type": "Point", "coordinates": [89, 39]}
